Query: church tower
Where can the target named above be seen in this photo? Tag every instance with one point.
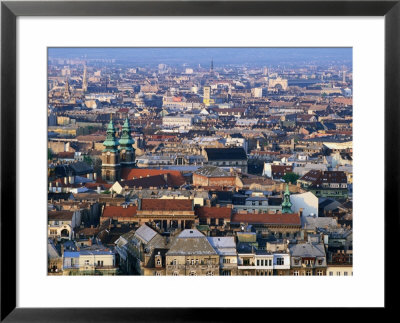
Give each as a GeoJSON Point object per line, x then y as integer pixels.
{"type": "Point", "coordinates": [286, 205]}
{"type": "Point", "coordinates": [111, 167]}
{"type": "Point", "coordinates": [127, 152]}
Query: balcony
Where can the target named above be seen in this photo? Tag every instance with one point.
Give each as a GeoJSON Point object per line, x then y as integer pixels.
{"type": "Point", "coordinates": [246, 266]}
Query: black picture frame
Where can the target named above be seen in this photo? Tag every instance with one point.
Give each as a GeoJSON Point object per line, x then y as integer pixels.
{"type": "Point", "coordinates": [10, 10]}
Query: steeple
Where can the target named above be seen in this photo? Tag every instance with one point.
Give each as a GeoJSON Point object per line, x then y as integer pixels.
{"type": "Point", "coordinates": [127, 152]}
{"type": "Point", "coordinates": [286, 204]}
{"type": "Point", "coordinates": [212, 66]}
{"type": "Point", "coordinates": [111, 142]}
{"type": "Point", "coordinates": [126, 140]}
{"type": "Point", "coordinates": [111, 167]}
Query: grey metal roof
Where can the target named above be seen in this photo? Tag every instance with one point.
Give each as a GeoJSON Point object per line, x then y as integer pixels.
{"type": "Point", "coordinates": [145, 233]}
{"type": "Point", "coordinates": [222, 242]}
{"type": "Point", "coordinates": [191, 242]}
{"type": "Point", "coordinates": [307, 250]}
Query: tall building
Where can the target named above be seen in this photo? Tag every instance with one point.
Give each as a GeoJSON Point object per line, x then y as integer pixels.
{"type": "Point", "coordinates": [127, 152]}
{"type": "Point", "coordinates": [67, 91]}
{"type": "Point", "coordinates": [111, 167]}
{"type": "Point", "coordinates": [212, 67]}
{"type": "Point", "coordinates": [207, 96]}
{"type": "Point", "coordinates": [84, 80]}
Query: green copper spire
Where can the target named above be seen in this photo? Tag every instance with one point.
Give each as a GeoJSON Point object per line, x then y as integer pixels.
{"type": "Point", "coordinates": [126, 140]}
{"type": "Point", "coordinates": [286, 205]}
{"type": "Point", "coordinates": [111, 143]}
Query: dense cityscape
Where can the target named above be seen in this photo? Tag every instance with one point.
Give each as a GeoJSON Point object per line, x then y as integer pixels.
{"type": "Point", "coordinates": [200, 161]}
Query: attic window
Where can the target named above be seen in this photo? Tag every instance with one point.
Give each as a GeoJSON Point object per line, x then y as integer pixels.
{"type": "Point", "coordinates": [191, 231]}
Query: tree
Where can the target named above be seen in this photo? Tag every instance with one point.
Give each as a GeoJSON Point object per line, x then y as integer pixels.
{"type": "Point", "coordinates": [291, 178]}
{"type": "Point", "coordinates": [88, 160]}
{"type": "Point", "coordinates": [49, 154]}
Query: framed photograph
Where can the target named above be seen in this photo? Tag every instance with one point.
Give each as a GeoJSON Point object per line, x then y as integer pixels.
{"type": "Point", "coordinates": [147, 142]}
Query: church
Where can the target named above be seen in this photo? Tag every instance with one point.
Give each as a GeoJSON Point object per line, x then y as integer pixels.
{"type": "Point", "coordinates": [118, 154]}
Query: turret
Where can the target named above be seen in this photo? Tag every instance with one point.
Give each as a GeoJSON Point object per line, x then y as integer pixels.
{"type": "Point", "coordinates": [286, 204]}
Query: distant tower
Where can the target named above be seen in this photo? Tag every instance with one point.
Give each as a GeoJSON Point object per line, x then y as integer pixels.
{"type": "Point", "coordinates": [344, 77]}
{"type": "Point", "coordinates": [111, 167]}
{"type": "Point", "coordinates": [67, 91]}
{"type": "Point", "coordinates": [212, 67]}
{"type": "Point", "coordinates": [286, 204]}
{"type": "Point", "coordinates": [127, 152]}
{"type": "Point", "coordinates": [84, 81]}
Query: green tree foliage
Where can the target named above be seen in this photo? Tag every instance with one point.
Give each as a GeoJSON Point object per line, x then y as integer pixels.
{"type": "Point", "coordinates": [49, 154]}
{"type": "Point", "coordinates": [291, 178]}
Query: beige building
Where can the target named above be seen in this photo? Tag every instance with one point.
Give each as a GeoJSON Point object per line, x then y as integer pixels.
{"type": "Point", "coordinates": [191, 254]}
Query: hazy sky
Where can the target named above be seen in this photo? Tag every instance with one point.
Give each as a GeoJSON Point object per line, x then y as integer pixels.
{"type": "Point", "coordinates": [203, 55]}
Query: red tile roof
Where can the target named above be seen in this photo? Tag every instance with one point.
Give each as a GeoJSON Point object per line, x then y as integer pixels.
{"type": "Point", "coordinates": [214, 212]}
{"type": "Point", "coordinates": [166, 205]}
{"type": "Point", "coordinates": [260, 218]}
{"type": "Point", "coordinates": [119, 211]}
{"type": "Point", "coordinates": [176, 177]}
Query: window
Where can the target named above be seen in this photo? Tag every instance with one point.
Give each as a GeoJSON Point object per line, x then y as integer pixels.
{"type": "Point", "coordinates": [279, 261]}
{"type": "Point", "coordinates": [197, 261]}
{"type": "Point", "coordinates": [210, 273]}
{"type": "Point", "coordinates": [331, 273]}
{"type": "Point", "coordinates": [258, 262]}
{"type": "Point", "coordinates": [320, 262]}
{"type": "Point", "coordinates": [159, 261]}
{"type": "Point", "coordinates": [193, 273]}
{"type": "Point", "coordinates": [100, 263]}
{"type": "Point", "coordinates": [175, 273]}
{"type": "Point", "coordinates": [296, 261]}
{"type": "Point", "coordinates": [270, 262]}
{"type": "Point", "coordinates": [345, 273]}
{"type": "Point", "coordinates": [86, 262]}
{"type": "Point", "coordinates": [262, 262]}
{"type": "Point", "coordinates": [192, 261]}
{"type": "Point", "coordinates": [320, 273]}
{"type": "Point", "coordinates": [296, 273]}
{"type": "Point", "coordinates": [158, 273]}
{"type": "Point", "coordinates": [226, 261]}
{"type": "Point", "coordinates": [174, 262]}
{"type": "Point", "coordinates": [308, 273]}
{"type": "Point", "coordinates": [226, 273]}
{"type": "Point", "coordinates": [338, 273]}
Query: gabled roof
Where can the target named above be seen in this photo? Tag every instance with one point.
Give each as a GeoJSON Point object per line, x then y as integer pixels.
{"type": "Point", "coordinates": [191, 242]}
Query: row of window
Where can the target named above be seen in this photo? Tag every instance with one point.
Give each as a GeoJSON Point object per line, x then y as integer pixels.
{"type": "Point", "coordinates": [261, 262]}
{"type": "Point", "coordinates": [339, 274]}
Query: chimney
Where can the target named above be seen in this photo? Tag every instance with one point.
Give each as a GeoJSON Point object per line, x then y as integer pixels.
{"type": "Point", "coordinates": [66, 180]}
{"type": "Point", "coordinates": [301, 211]}
{"type": "Point", "coordinates": [72, 179]}
{"type": "Point", "coordinates": [95, 176]}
